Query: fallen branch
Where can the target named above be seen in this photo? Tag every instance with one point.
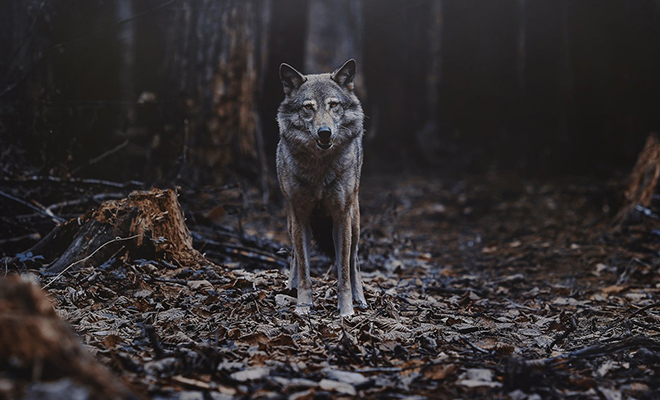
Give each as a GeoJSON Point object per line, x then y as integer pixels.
{"type": "Point", "coordinates": [44, 212]}
{"type": "Point", "coordinates": [629, 316]}
{"type": "Point", "coordinates": [36, 178]}
{"type": "Point", "coordinates": [248, 253]}
{"type": "Point", "coordinates": [97, 197]}
{"type": "Point", "coordinates": [595, 350]}
{"type": "Point", "coordinates": [101, 157]}
{"type": "Point", "coordinates": [31, 236]}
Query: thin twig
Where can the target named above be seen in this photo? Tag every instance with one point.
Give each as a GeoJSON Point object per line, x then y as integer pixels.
{"type": "Point", "coordinates": [595, 350]}
{"type": "Point", "coordinates": [37, 178]}
{"type": "Point", "coordinates": [150, 333]}
{"type": "Point", "coordinates": [398, 369]}
{"type": "Point", "coordinates": [117, 239]}
{"type": "Point", "coordinates": [50, 215]}
{"type": "Point", "coordinates": [627, 317]}
{"type": "Point", "coordinates": [243, 251]}
{"type": "Point", "coordinates": [474, 346]}
{"type": "Point", "coordinates": [97, 197]}
{"type": "Point", "coordinates": [31, 236]}
{"type": "Point", "coordinates": [102, 156]}
{"type": "Point", "coordinates": [560, 338]}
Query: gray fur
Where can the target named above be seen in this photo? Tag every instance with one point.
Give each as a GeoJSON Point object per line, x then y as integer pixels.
{"type": "Point", "coordinates": [321, 178]}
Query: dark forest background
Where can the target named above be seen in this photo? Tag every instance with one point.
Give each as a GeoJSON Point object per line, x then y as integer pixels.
{"type": "Point", "coordinates": [186, 91]}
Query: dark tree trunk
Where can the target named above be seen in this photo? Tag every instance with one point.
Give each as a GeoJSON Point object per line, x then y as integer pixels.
{"type": "Point", "coordinates": [217, 55]}
{"type": "Point", "coordinates": [430, 144]}
{"type": "Point", "coordinates": [334, 35]}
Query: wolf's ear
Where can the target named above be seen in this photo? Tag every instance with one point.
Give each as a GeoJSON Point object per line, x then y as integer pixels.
{"type": "Point", "coordinates": [291, 79]}
{"type": "Point", "coordinates": [345, 75]}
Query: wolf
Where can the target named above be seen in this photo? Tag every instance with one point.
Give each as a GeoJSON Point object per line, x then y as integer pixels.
{"type": "Point", "coordinates": [319, 161]}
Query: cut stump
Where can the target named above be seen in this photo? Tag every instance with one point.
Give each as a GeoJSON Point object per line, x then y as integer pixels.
{"type": "Point", "coordinates": [642, 183]}
{"type": "Point", "coordinates": [145, 225]}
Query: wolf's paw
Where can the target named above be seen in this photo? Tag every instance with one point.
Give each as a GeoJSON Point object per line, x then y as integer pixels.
{"type": "Point", "coordinates": [346, 312]}
{"type": "Point", "coordinates": [362, 304]}
{"type": "Point", "coordinates": [303, 309]}
{"type": "Point", "coordinates": [345, 309]}
{"type": "Point", "coordinates": [345, 303]}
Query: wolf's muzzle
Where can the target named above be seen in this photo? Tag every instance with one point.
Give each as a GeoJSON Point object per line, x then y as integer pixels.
{"type": "Point", "coordinates": [324, 141]}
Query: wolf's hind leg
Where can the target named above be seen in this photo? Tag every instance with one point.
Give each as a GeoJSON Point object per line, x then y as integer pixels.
{"type": "Point", "coordinates": [293, 274]}
{"type": "Point", "coordinates": [356, 278]}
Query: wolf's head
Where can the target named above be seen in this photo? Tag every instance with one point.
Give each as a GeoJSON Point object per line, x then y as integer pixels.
{"type": "Point", "coordinates": [320, 111]}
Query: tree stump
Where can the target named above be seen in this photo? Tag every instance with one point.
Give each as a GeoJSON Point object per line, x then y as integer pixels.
{"type": "Point", "coordinates": [43, 355]}
{"type": "Point", "coordinates": [145, 225]}
{"type": "Point", "coordinates": [642, 183]}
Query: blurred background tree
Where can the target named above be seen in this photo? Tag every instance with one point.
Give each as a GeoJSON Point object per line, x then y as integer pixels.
{"type": "Point", "coordinates": [186, 91]}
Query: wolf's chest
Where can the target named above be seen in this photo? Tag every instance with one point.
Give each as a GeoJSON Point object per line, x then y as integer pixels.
{"type": "Point", "coordinates": [324, 184]}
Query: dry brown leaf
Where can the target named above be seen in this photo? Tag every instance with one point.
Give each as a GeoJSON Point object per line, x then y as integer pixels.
{"type": "Point", "coordinates": [411, 367]}
{"type": "Point", "coordinates": [614, 289]}
{"type": "Point", "coordinates": [439, 371]}
{"type": "Point", "coordinates": [336, 386]}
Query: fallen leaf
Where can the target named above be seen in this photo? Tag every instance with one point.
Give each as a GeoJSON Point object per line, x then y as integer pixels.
{"type": "Point", "coordinates": [610, 394]}
{"type": "Point", "coordinates": [200, 285]}
{"type": "Point", "coordinates": [614, 289]}
{"type": "Point", "coordinates": [282, 300]}
{"type": "Point", "coordinates": [439, 371]}
{"type": "Point", "coordinates": [336, 386]}
{"type": "Point", "coordinates": [478, 377]}
{"type": "Point", "coordinates": [251, 374]}
{"type": "Point", "coordinates": [353, 378]}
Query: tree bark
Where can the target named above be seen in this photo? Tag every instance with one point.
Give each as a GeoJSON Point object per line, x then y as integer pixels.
{"type": "Point", "coordinates": [217, 53]}
{"type": "Point", "coordinates": [429, 137]}
{"type": "Point", "coordinates": [334, 35]}
{"type": "Point", "coordinates": [146, 225]}
{"type": "Point", "coordinates": [642, 183]}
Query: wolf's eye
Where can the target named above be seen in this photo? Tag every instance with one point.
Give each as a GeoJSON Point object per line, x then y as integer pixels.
{"type": "Point", "coordinates": [333, 104]}
{"type": "Point", "coordinates": [308, 106]}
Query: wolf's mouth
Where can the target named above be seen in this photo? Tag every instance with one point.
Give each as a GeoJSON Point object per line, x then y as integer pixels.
{"type": "Point", "coordinates": [323, 145]}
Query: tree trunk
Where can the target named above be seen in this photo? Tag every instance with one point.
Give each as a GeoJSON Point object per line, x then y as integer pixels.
{"type": "Point", "coordinates": [429, 137]}
{"type": "Point", "coordinates": [217, 53]}
{"type": "Point", "coordinates": [334, 35]}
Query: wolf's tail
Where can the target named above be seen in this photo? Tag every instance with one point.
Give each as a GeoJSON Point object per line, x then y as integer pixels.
{"type": "Point", "coordinates": [322, 233]}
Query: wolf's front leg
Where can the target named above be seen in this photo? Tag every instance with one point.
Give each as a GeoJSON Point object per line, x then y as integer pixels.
{"type": "Point", "coordinates": [293, 266]}
{"type": "Point", "coordinates": [341, 234]}
{"type": "Point", "coordinates": [301, 240]}
{"type": "Point", "coordinates": [356, 279]}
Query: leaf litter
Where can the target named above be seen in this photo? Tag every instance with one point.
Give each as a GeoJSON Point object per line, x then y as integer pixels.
{"type": "Point", "coordinates": [480, 287]}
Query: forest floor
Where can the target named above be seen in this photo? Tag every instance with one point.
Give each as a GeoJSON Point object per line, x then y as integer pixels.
{"type": "Point", "coordinates": [489, 286]}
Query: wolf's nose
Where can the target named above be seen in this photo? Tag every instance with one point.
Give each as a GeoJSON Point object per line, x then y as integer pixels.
{"type": "Point", "coordinates": [324, 133]}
